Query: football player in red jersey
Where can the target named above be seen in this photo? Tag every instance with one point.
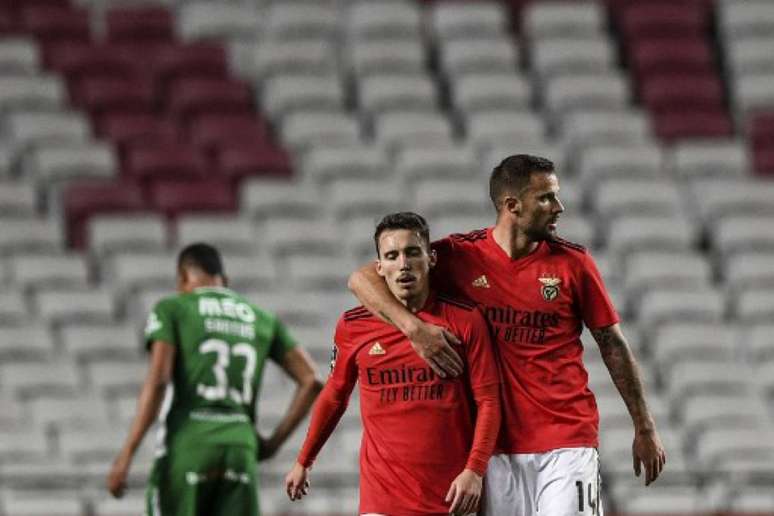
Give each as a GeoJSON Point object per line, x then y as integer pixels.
{"type": "Point", "coordinates": [426, 439]}
{"type": "Point", "coordinates": [537, 291]}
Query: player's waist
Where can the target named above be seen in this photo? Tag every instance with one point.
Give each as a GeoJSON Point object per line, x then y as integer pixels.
{"type": "Point", "coordinates": [218, 416]}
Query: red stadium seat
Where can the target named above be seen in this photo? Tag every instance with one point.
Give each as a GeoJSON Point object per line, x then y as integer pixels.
{"type": "Point", "coordinates": [213, 130]}
{"type": "Point", "coordinates": [670, 126]}
{"type": "Point", "coordinates": [132, 128]}
{"type": "Point", "coordinates": [174, 197]}
{"type": "Point", "coordinates": [194, 60]}
{"type": "Point", "coordinates": [678, 55]}
{"type": "Point", "coordinates": [238, 161]}
{"type": "Point", "coordinates": [149, 161]}
{"type": "Point", "coordinates": [78, 60]}
{"type": "Point", "coordinates": [763, 160]}
{"type": "Point", "coordinates": [53, 25]}
{"type": "Point", "coordinates": [84, 200]}
{"type": "Point", "coordinates": [663, 20]}
{"type": "Point", "coordinates": [101, 94]}
{"type": "Point", "coordinates": [761, 130]}
{"type": "Point", "coordinates": [140, 24]}
{"type": "Point", "coordinates": [189, 97]}
{"type": "Point", "coordinates": [682, 92]}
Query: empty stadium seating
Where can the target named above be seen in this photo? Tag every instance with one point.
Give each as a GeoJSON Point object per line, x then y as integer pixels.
{"type": "Point", "coordinates": [282, 131]}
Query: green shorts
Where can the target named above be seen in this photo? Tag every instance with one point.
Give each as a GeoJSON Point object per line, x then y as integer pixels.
{"type": "Point", "coordinates": [205, 481]}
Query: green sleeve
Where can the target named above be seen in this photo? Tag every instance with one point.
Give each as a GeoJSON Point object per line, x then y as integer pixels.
{"type": "Point", "coordinates": [160, 325]}
{"type": "Point", "coordinates": [281, 343]}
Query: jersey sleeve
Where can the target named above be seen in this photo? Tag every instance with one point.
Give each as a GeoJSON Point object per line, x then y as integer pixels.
{"type": "Point", "coordinates": [440, 276]}
{"type": "Point", "coordinates": [333, 400]}
{"type": "Point", "coordinates": [161, 323]}
{"type": "Point", "coordinates": [283, 341]}
{"type": "Point", "coordinates": [596, 307]}
{"type": "Point", "coordinates": [484, 381]}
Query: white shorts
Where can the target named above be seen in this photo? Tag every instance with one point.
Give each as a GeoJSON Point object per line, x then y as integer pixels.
{"type": "Point", "coordinates": [562, 482]}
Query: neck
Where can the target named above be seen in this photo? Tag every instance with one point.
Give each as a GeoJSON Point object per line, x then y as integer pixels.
{"type": "Point", "coordinates": [515, 243]}
{"type": "Point", "coordinates": [416, 303]}
{"type": "Point", "coordinates": [209, 281]}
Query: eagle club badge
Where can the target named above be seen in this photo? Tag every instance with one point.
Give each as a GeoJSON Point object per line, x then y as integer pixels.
{"type": "Point", "coordinates": [550, 288]}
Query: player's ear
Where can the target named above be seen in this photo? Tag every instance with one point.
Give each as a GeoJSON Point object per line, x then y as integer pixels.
{"type": "Point", "coordinates": [379, 269]}
{"type": "Point", "coordinates": [433, 258]}
{"type": "Point", "coordinates": [512, 205]}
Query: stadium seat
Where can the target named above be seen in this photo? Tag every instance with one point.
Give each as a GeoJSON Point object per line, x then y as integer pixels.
{"type": "Point", "coordinates": [377, 21]}
{"type": "Point", "coordinates": [286, 94]}
{"type": "Point", "coordinates": [707, 159]}
{"type": "Point", "coordinates": [69, 413]}
{"type": "Point", "coordinates": [383, 93]}
{"type": "Point", "coordinates": [681, 92]}
{"type": "Point", "coordinates": [98, 95]}
{"type": "Point", "coordinates": [367, 58]}
{"type": "Point", "coordinates": [396, 129]}
{"type": "Point", "coordinates": [203, 60]}
{"type": "Point", "coordinates": [23, 341]}
{"type": "Point", "coordinates": [498, 128]}
{"type": "Point", "coordinates": [126, 129]}
{"type": "Point", "coordinates": [31, 235]}
{"type": "Point", "coordinates": [648, 270]}
{"type": "Point", "coordinates": [215, 130]}
{"type": "Point", "coordinates": [230, 234]}
{"type": "Point", "coordinates": [701, 342]}
{"type": "Point", "coordinates": [33, 270]}
{"type": "Point", "coordinates": [691, 379]}
{"type": "Point", "coordinates": [418, 164]}
{"type": "Point", "coordinates": [745, 19]}
{"type": "Point", "coordinates": [715, 445]}
{"type": "Point", "coordinates": [17, 200]}
{"type": "Point", "coordinates": [324, 164]}
{"type": "Point", "coordinates": [56, 163]}
{"type": "Point", "coordinates": [96, 342]}
{"type": "Point", "coordinates": [557, 18]}
{"type": "Point", "coordinates": [173, 197]}
{"type": "Point", "coordinates": [692, 124]}
{"type": "Point", "coordinates": [139, 24]}
{"type": "Point", "coordinates": [475, 56]}
{"type": "Point", "coordinates": [759, 343]}
{"type": "Point", "coordinates": [20, 56]}
{"type": "Point", "coordinates": [318, 273]}
{"type": "Point", "coordinates": [615, 197]}
{"type": "Point", "coordinates": [31, 93]}
{"type": "Point", "coordinates": [753, 500]}
{"type": "Point", "coordinates": [265, 59]}
{"type": "Point", "coordinates": [56, 24]}
{"type": "Point", "coordinates": [661, 306]}
{"type": "Point", "coordinates": [298, 21]}
{"type": "Point", "coordinates": [13, 310]}
{"type": "Point", "coordinates": [108, 234]}
{"type": "Point", "coordinates": [109, 378]}
{"type": "Point", "coordinates": [265, 199]}
{"type": "Point", "coordinates": [208, 20]}
{"type": "Point", "coordinates": [749, 270]}
{"type": "Point", "coordinates": [308, 129]}
{"type": "Point", "coordinates": [57, 307]}
{"type": "Point", "coordinates": [668, 500]}
{"type": "Point", "coordinates": [452, 197]}
{"type": "Point", "coordinates": [236, 162]}
{"type": "Point", "coordinates": [662, 20]}
{"type": "Point", "coordinates": [702, 413]}
{"type": "Point", "coordinates": [491, 92]}
{"type": "Point", "coordinates": [83, 200]}
{"type": "Point", "coordinates": [749, 56]}
{"type": "Point", "coordinates": [129, 504]}
{"type": "Point", "coordinates": [752, 92]}
{"type": "Point", "coordinates": [187, 97]}
{"type": "Point", "coordinates": [254, 271]}
{"type": "Point", "coordinates": [40, 379]}
{"type": "Point", "coordinates": [30, 128]}
{"type": "Point", "coordinates": [716, 199]}
{"type": "Point", "coordinates": [606, 162]}
{"type": "Point", "coordinates": [585, 129]}
{"type": "Point", "coordinates": [683, 55]}
{"type": "Point", "coordinates": [627, 234]}
{"type": "Point", "coordinates": [599, 91]}
{"type": "Point", "coordinates": [129, 271]}
{"type": "Point", "coordinates": [565, 56]}
{"type": "Point", "coordinates": [81, 60]}
{"type": "Point", "coordinates": [455, 20]}
{"type": "Point", "coordinates": [286, 237]}
{"type": "Point", "coordinates": [754, 306]}
{"type": "Point", "coordinates": [158, 160]}
{"type": "Point", "coordinates": [354, 198]}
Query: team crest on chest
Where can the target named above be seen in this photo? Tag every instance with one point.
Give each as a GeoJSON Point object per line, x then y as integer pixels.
{"type": "Point", "coordinates": [550, 288]}
{"type": "Point", "coordinates": [376, 349]}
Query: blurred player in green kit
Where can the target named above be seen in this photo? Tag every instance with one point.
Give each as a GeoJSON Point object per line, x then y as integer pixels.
{"type": "Point", "coordinates": [208, 346]}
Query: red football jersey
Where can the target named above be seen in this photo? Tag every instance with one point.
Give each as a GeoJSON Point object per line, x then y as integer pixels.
{"type": "Point", "coordinates": [536, 306]}
{"type": "Point", "coordinates": [418, 429]}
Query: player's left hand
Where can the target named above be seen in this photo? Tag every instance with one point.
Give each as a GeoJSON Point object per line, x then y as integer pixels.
{"type": "Point", "coordinates": [267, 448]}
{"type": "Point", "coordinates": [648, 451]}
{"type": "Point", "coordinates": [116, 480]}
{"type": "Point", "coordinates": [297, 482]}
{"type": "Point", "coordinates": [465, 493]}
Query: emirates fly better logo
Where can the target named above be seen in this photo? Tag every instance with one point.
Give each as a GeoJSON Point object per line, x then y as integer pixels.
{"type": "Point", "coordinates": [550, 288]}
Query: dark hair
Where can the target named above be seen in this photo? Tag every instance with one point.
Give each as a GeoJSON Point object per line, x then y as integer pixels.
{"type": "Point", "coordinates": [203, 256]}
{"type": "Point", "coordinates": [513, 173]}
{"type": "Point", "coordinates": [402, 220]}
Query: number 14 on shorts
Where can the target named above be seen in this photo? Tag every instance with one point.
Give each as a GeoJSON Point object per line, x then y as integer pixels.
{"type": "Point", "coordinates": [588, 496]}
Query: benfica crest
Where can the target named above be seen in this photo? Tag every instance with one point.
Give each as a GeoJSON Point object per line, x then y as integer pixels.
{"type": "Point", "coordinates": [550, 288]}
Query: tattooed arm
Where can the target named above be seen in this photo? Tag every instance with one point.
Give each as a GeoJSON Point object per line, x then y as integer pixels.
{"type": "Point", "coordinates": [647, 449]}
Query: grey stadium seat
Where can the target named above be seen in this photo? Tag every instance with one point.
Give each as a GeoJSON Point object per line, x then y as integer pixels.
{"type": "Point", "coordinates": [263, 199]}
{"type": "Point", "coordinates": [52, 164]}
{"type": "Point", "coordinates": [17, 199]}
{"type": "Point", "coordinates": [19, 56]}
{"type": "Point", "coordinates": [749, 270]}
{"type": "Point", "coordinates": [599, 128]}
{"type": "Point", "coordinates": [299, 21]}
{"type": "Point", "coordinates": [25, 342]}
{"type": "Point", "coordinates": [709, 158]}
{"type": "Point", "coordinates": [49, 271]}
{"type": "Point", "coordinates": [49, 378]}
{"type": "Point", "coordinates": [565, 55]}
{"type": "Point", "coordinates": [318, 273]}
{"type": "Point", "coordinates": [90, 342]}
{"type": "Point", "coordinates": [229, 233]}
{"type": "Point", "coordinates": [67, 306]}
{"type": "Point", "coordinates": [374, 20]}
{"type": "Point", "coordinates": [716, 199]}
{"type": "Point", "coordinates": [356, 198]}
{"type": "Point", "coordinates": [396, 129]}
{"type": "Point", "coordinates": [128, 271]}
{"type": "Point", "coordinates": [306, 130]}
{"type": "Point", "coordinates": [648, 270]}
{"type": "Point", "coordinates": [599, 91]}
{"type": "Point", "coordinates": [263, 59]}
{"type": "Point", "coordinates": [203, 20]}
{"type": "Point", "coordinates": [499, 128]}
{"type": "Point", "coordinates": [30, 128]}
{"type": "Point", "coordinates": [684, 341]}
{"type": "Point", "coordinates": [491, 92]}
{"type": "Point", "coordinates": [452, 197]}
{"type": "Point", "coordinates": [31, 235]}
{"type": "Point", "coordinates": [661, 306]}
{"type": "Point", "coordinates": [621, 196]}
{"type": "Point", "coordinates": [484, 19]}
{"type": "Point", "coordinates": [322, 165]}
{"type": "Point", "coordinates": [690, 379]}
{"type": "Point", "coordinates": [286, 94]}
{"type": "Point", "coordinates": [31, 93]}
{"type": "Point", "coordinates": [435, 164]}
{"type": "Point", "coordinates": [558, 18]}
{"type": "Point", "coordinates": [629, 234]}
{"type": "Point", "coordinates": [384, 92]}
{"type": "Point", "coordinates": [368, 58]}
{"type": "Point", "coordinates": [13, 308]}
{"type": "Point", "coordinates": [605, 162]}
{"type": "Point", "coordinates": [109, 234]}
{"type": "Point", "coordinates": [476, 56]}
{"type": "Point", "coordinates": [754, 306]}
{"type": "Point", "coordinates": [759, 343]}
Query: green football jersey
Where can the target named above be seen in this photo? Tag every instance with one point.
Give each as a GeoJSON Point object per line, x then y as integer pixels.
{"type": "Point", "coordinates": [222, 343]}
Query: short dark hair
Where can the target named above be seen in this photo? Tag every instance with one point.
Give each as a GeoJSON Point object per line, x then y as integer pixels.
{"type": "Point", "coordinates": [403, 220]}
{"type": "Point", "coordinates": [513, 174]}
{"type": "Point", "coordinates": [203, 256]}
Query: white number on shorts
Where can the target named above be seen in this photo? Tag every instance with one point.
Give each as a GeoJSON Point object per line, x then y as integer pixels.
{"type": "Point", "coordinates": [221, 388]}
{"type": "Point", "coordinates": [593, 501]}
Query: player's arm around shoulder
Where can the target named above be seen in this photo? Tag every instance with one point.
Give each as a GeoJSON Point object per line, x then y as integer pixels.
{"type": "Point", "coordinates": [647, 449]}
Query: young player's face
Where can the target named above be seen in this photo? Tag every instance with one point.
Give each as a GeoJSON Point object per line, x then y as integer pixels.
{"type": "Point", "coordinates": [540, 207]}
{"type": "Point", "coordinates": [405, 262]}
